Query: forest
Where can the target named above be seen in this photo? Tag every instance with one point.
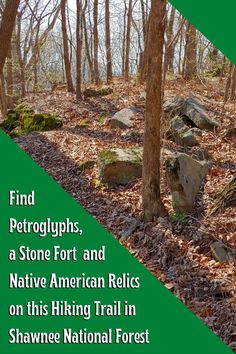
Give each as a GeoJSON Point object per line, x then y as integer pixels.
{"type": "Point", "coordinates": [132, 111]}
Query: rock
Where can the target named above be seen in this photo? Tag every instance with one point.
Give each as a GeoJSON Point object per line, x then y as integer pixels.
{"type": "Point", "coordinates": [190, 109]}
{"type": "Point", "coordinates": [219, 252]}
{"type": "Point", "coordinates": [177, 123]}
{"type": "Point", "coordinates": [181, 133]}
{"type": "Point", "coordinates": [11, 121]}
{"type": "Point", "coordinates": [120, 166]}
{"type": "Point", "coordinates": [189, 139]}
{"type": "Point", "coordinates": [230, 133]}
{"type": "Point", "coordinates": [202, 155]}
{"type": "Point", "coordinates": [196, 131]}
{"type": "Point", "coordinates": [184, 176]}
{"type": "Point", "coordinates": [23, 120]}
{"type": "Point", "coordinates": [104, 91]}
{"type": "Point", "coordinates": [122, 119]}
{"type": "Point", "coordinates": [194, 110]}
{"type": "Point", "coordinates": [40, 122]}
{"type": "Point", "coordinates": [174, 107]}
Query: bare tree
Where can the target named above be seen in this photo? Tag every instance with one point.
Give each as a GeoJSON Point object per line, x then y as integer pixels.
{"type": "Point", "coordinates": [127, 49]}
{"type": "Point", "coordinates": [152, 204]}
{"type": "Point", "coordinates": [191, 53]}
{"type": "Point", "coordinates": [6, 29]}
{"type": "Point", "coordinates": [108, 41]}
{"type": "Point", "coordinates": [95, 35]}
{"type": "Point", "coordinates": [67, 63]}
{"type": "Point", "coordinates": [78, 49]}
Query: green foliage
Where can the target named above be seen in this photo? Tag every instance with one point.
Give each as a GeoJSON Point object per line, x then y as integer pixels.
{"type": "Point", "coordinates": [102, 117]}
{"type": "Point", "coordinates": [179, 217]}
{"type": "Point", "coordinates": [23, 120]}
{"type": "Point", "coordinates": [84, 123]}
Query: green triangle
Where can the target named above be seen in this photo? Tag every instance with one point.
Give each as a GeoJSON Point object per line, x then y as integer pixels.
{"type": "Point", "coordinates": [213, 18]}
{"type": "Point", "coordinates": [172, 327]}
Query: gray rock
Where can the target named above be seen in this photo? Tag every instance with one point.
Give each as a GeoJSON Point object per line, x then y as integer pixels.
{"type": "Point", "coordinates": [196, 131]}
{"type": "Point", "coordinates": [120, 166]}
{"type": "Point", "coordinates": [181, 133]}
{"type": "Point", "coordinates": [202, 154]}
{"type": "Point", "coordinates": [174, 107]}
{"type": "Point", "coordinates": [184, 176]}
{"type": "Point", "coordinates": [189, 139]}
{"type": "Point", "coordinates": [198, 115]}
{"type": "Point", "coordinates": [122, 119]}
{"type": "Point", "coordinates": [219, 252]}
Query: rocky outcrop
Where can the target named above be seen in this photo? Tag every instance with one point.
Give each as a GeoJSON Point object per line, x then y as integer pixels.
{"type": "Point", "coordinates": [182, 134]}
{"type": "Point", "coordinates": [185, 176]}
{"type": "Point", "coordinates": [23, 120]}
{"type": "Point", "coordinates": [192, 111]}
{"type": "Point", "coordinates": [104, 91]}
{"type": "Point", "coordinates": [195, 111]}
{"type": "Point", "coordinates": [120, 166]}
{"type": "Point", "coordinates": [122, 119]}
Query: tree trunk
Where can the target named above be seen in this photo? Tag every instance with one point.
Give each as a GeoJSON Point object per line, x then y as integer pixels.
{"type": "Point", "coordinates": [170, 48]}
{"type": "Point", "coordinates": [70, 86]}
{"type": "Point", "coordinates": [78, 50]}
{"type": "Point", "coordinates": [127, 49]}
{"type": "Point", "coordinates": [19, 56]}
{"type": "Point", "coordinates": [108, 41]}
{"type": "Point", "coordinates": [87, 49]}
{"type": "Point", "coordinates": [6, 29]}
{"type": "Point", "coordinates": [3, 97]}
{"type": "Point", "coordinates": [9, 77]}
{"type": "Point", "coordinates": [233, 85]}
{"type": "Point", "coordinates": [143, 68]}
{"type": "Point", "coordinates": [152, 204]}
{"type": "Point", "coordinates": [95, 34]}
{"type": "Point", "coordinates": [191, 53]}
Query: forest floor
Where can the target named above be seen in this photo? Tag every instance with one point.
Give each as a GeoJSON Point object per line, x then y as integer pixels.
{"type": "Point", "coordinates": [177, 252]}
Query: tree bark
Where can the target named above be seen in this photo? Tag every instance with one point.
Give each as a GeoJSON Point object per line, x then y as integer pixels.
{"type": "Point", "coordinates": [95, 35]}
{"type": "Point", "coordinates": [151, 198]}
{"type": "Point", "coordinates": [170, 47]}
{"type": "Point", "coordinates": [127, 50]}
{"type": "Point", "coordinates": [233, 85]}
{"type": "Point", "coordinates": [6, 29]}
{"type": "Point", "coordinates": [70, 86]}
{"type": "Point", "coordinates": [87, 49]}
{"type": "Point", "coordinates": [78, 50]}
{"type": "Point", "coordinates": [191, 53]}
{"type": "Point", "coordinates": [108, 41]}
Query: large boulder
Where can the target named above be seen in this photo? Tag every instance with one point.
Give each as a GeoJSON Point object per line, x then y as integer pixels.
{"type": "Point", "coordinates": [23, 120]}
{"type": "Point", "coordinates": [104, 91]}
{"type": "Point", "coordinates": [122, 119]}
{"type": "Point", "coordinates": [182, 134]}
{"type": "Point", "coordinates": [174, 107]}
{"type": "Point", "coordinates": [194, 110]}
{"type": "Point", "coordinates": [184, 176]}
{"type": "Point", "coordinates": [191, 110]}
{"type": "Point", "coordinates": [120, 166]}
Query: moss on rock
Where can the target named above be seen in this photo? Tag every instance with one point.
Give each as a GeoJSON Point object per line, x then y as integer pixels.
{"type": "Point", "coordinates": [120, 166]}
{"type": "Point", "coordinates": [23, 120]}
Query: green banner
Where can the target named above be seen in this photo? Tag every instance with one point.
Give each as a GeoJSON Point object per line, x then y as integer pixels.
{"type": "Point", "coordinates": [213, 18]}
{"type": "Point", "coordinates": [68, 286]}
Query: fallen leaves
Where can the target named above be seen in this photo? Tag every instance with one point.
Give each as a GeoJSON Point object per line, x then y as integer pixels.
{"type": "Point", "coordinates": [178, 254]}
